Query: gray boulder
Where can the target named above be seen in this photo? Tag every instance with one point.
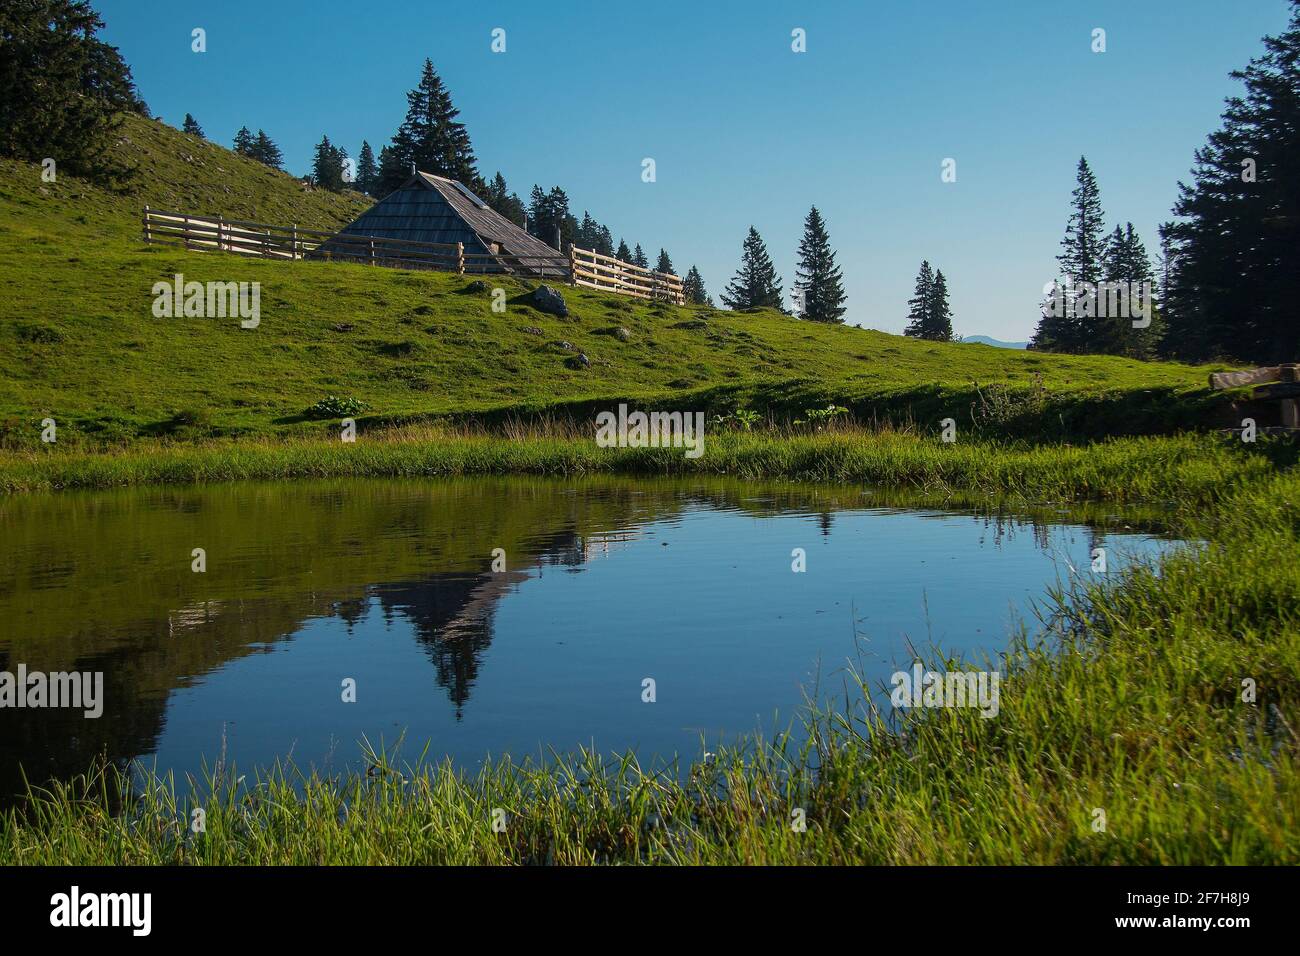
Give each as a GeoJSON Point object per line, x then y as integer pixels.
{"type": "Point", "coordinates": [545, 299]}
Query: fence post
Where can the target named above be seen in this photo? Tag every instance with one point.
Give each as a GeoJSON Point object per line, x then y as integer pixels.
{"type": "Point", "coordinates": [186, 227]}
{"type": "Point", "coordinates": [147, 237]}
{"type": "Point", "coordinates": [293, 248]}
{"type": "Point", "coordinates": [573, 265]}
{"type": "Point", "coordinates": [460, 258]}
{"type": "Point", "coordinates": [1290, 407]}
{"type": "Point", "coordinates": [220, 247]}
{"type": "Point", "coordinates": [372, 252]}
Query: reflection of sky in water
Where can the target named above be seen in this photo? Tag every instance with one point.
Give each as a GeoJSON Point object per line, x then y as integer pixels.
{"type": "Point", "coordinates": [553, 655]}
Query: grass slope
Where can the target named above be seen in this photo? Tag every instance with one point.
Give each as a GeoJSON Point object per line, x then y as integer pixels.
{"type": "Point", "coordinates": [83, 347]}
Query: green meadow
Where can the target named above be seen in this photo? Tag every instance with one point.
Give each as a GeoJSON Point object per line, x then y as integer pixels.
{"type": "Point", "coordinates": [83, 346]}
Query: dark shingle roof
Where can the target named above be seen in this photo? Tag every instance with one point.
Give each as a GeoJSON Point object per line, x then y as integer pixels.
{"type": "Point", "coordinates": [428, 208]}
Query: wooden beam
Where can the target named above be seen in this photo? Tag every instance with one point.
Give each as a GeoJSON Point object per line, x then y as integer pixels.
{"type": "Point", "coordinates": [1277, 390]}
{"type": "Point", "coordinates": [1252, 376]}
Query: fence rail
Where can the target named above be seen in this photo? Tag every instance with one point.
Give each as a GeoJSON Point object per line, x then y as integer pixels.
{"type": "Point", "coordinates": [581, 267]}
{"type": "Point", "coordinates": [596, 271]}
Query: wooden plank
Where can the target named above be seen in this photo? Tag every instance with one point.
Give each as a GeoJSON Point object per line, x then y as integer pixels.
{"type": "Point", "coordinates": [1253, 376]}
{"type": "Point", "coordinates": [1279, 390]}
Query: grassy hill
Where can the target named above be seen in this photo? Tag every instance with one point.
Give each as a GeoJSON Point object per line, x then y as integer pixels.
{"type": "Point", "coordinates": [82, 346]}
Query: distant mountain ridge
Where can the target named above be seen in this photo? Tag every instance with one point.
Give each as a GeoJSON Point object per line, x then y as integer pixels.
{"type": "Point", "coordinates": [997, 343]}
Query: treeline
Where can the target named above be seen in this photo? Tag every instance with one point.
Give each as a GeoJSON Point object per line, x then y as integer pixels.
{"type": "Point", "coordinates": [1228, 275]}
{"type": "Point", "coordinates": [62, 88]}
{"type": "Point", "coordinates": [1232, 253]}
{"type": "Point", "coordinates": [1105, 301]}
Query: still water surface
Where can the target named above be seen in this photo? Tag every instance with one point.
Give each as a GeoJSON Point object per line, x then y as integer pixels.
{"type": "Point", "coordinates": [390, 583]}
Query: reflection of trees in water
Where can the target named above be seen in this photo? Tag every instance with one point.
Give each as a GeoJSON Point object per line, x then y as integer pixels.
{"type": "Point", "coordinates": [146, 653]}
{"type": "Point", "coordinates": [452, 614]}
{"type": "Point", "coordinates": [57, 743]}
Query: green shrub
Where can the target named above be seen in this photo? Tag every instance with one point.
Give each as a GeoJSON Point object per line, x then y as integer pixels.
{"type": "Point", "coordinates": [331, 406]}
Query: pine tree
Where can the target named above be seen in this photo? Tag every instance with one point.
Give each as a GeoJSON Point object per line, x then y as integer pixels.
{"type": "Point", "coordinates": [367, 170]}
{"type": "Point", "coordinates": [588, 232]}
{"type": "Point", "coordinates": [243, 142]}
{"type": "Point", "coordinates": [1080, 260]}
{"type": "Point", "coordinates": [938, 323]}
{"type": "Point", "coordinates": [1084, 242]}
{"type": "Point", "coordinates": [500, 198]}
{"type": "Point", "coordinates": [327, 167]}
{"type": "Point", "coordinates": [1055, 326]}
{"type": "Point", "coordinates": [392, 172]}
{"type": "Point", "coordinates": [818, 278]}
{"type": "Point", "coordinates": [1126, 262]}
{"type": "Point", "coordinates": [919, 307]}
{"type": "Point", "coordinates": [536, 210]}
{"type": "Point", "coordinates": [605, 242]}
{"type": "Point", "coordinates": [191, 126]}
{"type": "Point", "coordinates": [755, 283]}
{"type": "Point", "coordinates": [624, 254]}
{"type": "Point", "coordinates": [693, 287]}
{"type": "Point", "coordinates": [265, 151]}
{"type": "Point", "coordinates": [665, 264]}
{"type": "Point", "coordinates": [1235, 243]}
{"type": "Point", "coordinates": [431, 138]}
{"type": "Point", "coordinates": [549, 218]}
{"type": "Point", "coordinates": [638, 257]}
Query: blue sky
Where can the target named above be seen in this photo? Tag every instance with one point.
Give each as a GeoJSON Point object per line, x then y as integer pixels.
{"type": "Point", "coordinates": [743, 130]}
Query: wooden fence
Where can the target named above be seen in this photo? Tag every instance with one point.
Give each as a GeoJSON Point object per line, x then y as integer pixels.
{"type": "Point", "coordinates": [596, 271]}
{"type": "Point", "coordinates": [268, 241]}
{"type": "Point", "coordinates": [580, 267]}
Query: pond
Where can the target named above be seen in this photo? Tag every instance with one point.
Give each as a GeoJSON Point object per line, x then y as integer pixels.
{"type": "Point", "coordinates": [307, 594]}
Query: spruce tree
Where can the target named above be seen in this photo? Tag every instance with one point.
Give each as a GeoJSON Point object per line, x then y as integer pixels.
{"type": "Point", "coordinates": [1080, 260]}
{"type": "Point", "coordinates": [665, 264]}
{"type": "Point", "coordinates": [605, 242]}
{"type": "Point", "coordinates": [191, 126]}
{"type": "Point", "coordinates": [755, 283]}
{"type": "Point", "coordinates": [265, 151]}
{"type": "Point", "coordinates": [1084, 242]}
{"type": "Point", "coordinates": [693, 287]}
{"type": "Point", "coordinates": [588, 232]}
{"type": "Point", "coordinates": [1234, 246]}
{"type": "Point", "coordinates": [431, 138]}
{"type": "Point", "coordinates": [537, 211]}
{"type": "Point", "coordinates": [327, 166]}
{"type": "Point", "coordinates": [500, 198]}
{"type": "Point", "coordinates": [817, 276]}
{"type": "Point", "coordinates": [392, 171]}
{"type": "Point", "coordinates": [367, 170]}
{"type": "Point", "coordinates": [1126, 262]}
{"type": "Point", "coordinates": [1055, 326]}
{"type": "Point", "coordinates": [938, 323]}
{"type": "Point", "coordinates": [243, 144]}
{"type": "Point", "coordinates": [638, 257]}
{"type": "Point", "coordinates": [624, 254]}
{"type": "Point", "coordinates": [919, 307]}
